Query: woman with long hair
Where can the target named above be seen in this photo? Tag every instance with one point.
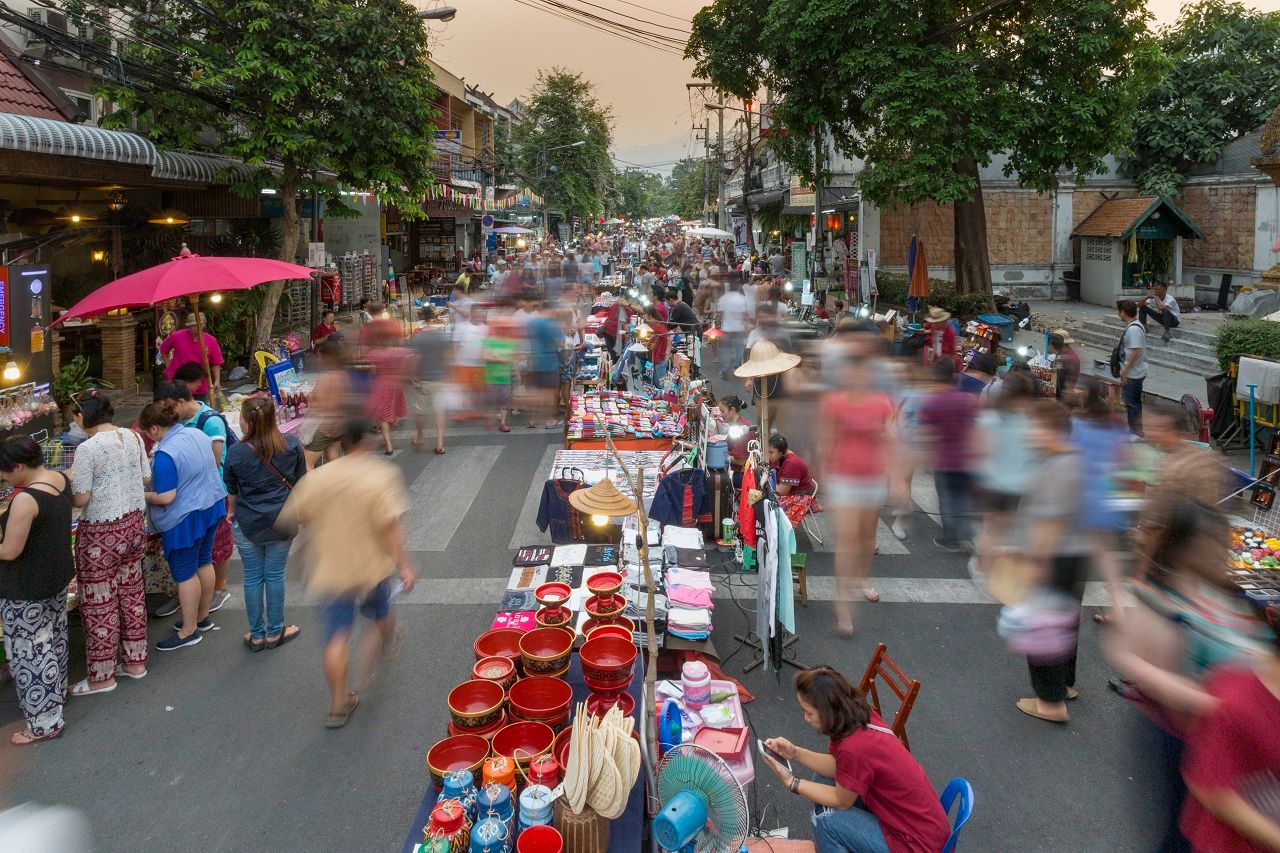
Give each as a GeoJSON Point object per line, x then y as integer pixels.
{"type": "Point", "coordinates": [869, 793]}
{"type": "Point", "coordinates": [187, 501]}
{"type": "Point", "coordinates": [35, 567]}
{"type": "Point", "coordinates": [1005, 464]}
{"type": "Point", "coordinates": [110, 474]}
{"type": "Point", "coordinates": [329, 405]}
{"type": "Point", "coordinates": [260, 473]}
{"type": "Point", "coordinates": [387, 400]}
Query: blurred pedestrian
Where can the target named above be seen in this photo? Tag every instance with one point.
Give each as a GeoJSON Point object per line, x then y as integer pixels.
{"type": "Point", "coordinates": [732, 308]}
{"type": "Point", "coordinates": [1005, 465]}
{"type": "Point", "coordinates": [1133, 363]}
{"type": "Point", "coordinates": [188, 502]}
{"type": "Point", "coordinates": [109, 477]}
{"type": "Point", "coordinates": [949, 413]}
{"type": "Point", "coordinates": [355, 551]}
{"type": "Point", "coordinates": [432, 362]}
{"type": "Point", "coordinates": [1061, 344]}
{"type": "Point", "coordinates": [35, 568]}
{"type": "Point", "coordinates": [943, 342]}
{"type": "Point", "coordinates": [387, 403]}
{"type": "Point", "coordinates": [545, 338]}
{"type": "Point", "coordinates": [260, 473]}
{"type": "Point", "coordinates": [329, 404]}
{"type": "Point", "coordinates": [501, 347]}
{"type": "Point", "coordinates": [856, 437]}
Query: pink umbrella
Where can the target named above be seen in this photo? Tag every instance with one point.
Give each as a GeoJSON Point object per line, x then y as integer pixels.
{"type": "Point", "coordinates": [187, 275]}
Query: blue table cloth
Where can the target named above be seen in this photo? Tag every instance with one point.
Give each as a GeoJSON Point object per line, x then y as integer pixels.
{"type": "Point", "coordinates": [625, 833]}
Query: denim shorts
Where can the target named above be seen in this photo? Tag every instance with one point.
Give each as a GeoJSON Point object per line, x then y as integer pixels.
{"type": "Point", "coordinates": [185, 562]}
{"type": "Point", "coordinates": [340, 613]}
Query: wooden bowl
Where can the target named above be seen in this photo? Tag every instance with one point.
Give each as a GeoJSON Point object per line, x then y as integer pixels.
{"type": "Point", "coordinates": [622, 632]}
{"type": "Point", "coordinates": [604, 583]}
{"type": "Point", "coordinates": [476, 704]}
{"type": "Point", "coordinates": [546, 651]}
{"type": "Point", "coordinates": [501, 670]}
{"type": "Point", "coordinates": [553, 594]}
{"type": "Point", "coordinates": [553, 617]}
{"type": "Point", "coordinates": [500, 642]}
{"type": "Point", "coordinates": [606, 606]}
{"type": "Point", "coordinates": [540, 699]}
{"type": "Point", "coordinates": [461, 752]}
{"type": "Point", "coordinates": [523, 742]}
{"type": "Point", "coordinates": [608, 661]}
{"type": "Point", "coordinates": [487, 732]}
{"type": "Point", "coordinates": [599, 703]}
{"type": "Point", "coordinates": [592, 623]}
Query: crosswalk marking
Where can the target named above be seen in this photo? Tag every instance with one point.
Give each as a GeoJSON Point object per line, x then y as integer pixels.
{"type": "Point", "coordinates": [442, 494]}
{"type": "Point", "coordinates": [526, 531]}
{"type": "Point", "coordinates": [925, 496]}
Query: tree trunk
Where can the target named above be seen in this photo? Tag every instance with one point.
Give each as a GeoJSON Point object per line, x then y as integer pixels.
{"type": "Point", "coordinates": [291, 232]}
{"type": "Point", "coordinates": [973, 264]}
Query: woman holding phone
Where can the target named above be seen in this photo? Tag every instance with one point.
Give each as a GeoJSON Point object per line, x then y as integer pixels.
{"type": "Point", "coordinates": [880, 801]}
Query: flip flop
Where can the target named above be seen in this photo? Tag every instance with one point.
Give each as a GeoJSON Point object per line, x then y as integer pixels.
{"type": "Point", "coordinates": [1072, 694]}
{"type": "Point", "coordinates": [254, 645]}
{"type": "Point", "coordinates": [284, 637]}
{"type": "Point", "coordinates": [26, 738]}
{"type": "Point", "coordinates": [121, 672]}
{"type": "Point", "coordinates": [1028, 707]}
{"type": "Point", "coordinates": [83, 688]}
{"type": "Point", "coordinates": [337, 721]}
{"type": "Point", "coordinates": [870, 594]}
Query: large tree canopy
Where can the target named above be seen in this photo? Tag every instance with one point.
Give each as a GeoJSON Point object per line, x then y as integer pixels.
{"type": "Point", "coordinates": [926, 91]}
{"type": "Point", "coordinates": [563, 109]}
{"type": "Point", "coordinates": [1223, 80]}
{"type": "Point", "coordinates": [290, 87]}
{"type": "Point", "coordinates": [685, 187]}
{"type": "Point", "coordinates": [639, 194]}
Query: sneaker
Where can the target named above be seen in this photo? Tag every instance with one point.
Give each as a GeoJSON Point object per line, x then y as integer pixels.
{"type": "Point", "coordinates": [898, 530]}
{"type": "Point", "coordinates": [206, 625]}
{"type": "Point", "coordinates": [219, 598]}
{"type": "Point", "coordinates": [1166, 337]}
{"type": "Point", "coordinates": [175, 642]}
{"type": "Point", "coordinates": [169, 608]}
{"type": "Point", "coordinates": [951, 547]}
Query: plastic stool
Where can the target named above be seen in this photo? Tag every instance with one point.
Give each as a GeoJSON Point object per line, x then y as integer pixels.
{"type": "Point", "coordinates": [799, 578]}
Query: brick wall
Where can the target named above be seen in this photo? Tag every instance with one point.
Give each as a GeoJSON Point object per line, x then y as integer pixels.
{"type": "Point", "coordinates": [1019, 230]}
{"type": "Point", "coordinates": [1225, 215]}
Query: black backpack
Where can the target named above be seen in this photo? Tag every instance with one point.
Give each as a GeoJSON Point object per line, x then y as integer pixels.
{"type": "Point", "coordinates": [210, 413]}
{"type": "Point", "coordinates": [1117, 354]}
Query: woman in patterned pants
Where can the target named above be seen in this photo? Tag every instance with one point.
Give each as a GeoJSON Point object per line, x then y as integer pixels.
{"type": "Point", "coordinates": [35, 568]}
{"type": "Point", "coordinates": [110, 471]}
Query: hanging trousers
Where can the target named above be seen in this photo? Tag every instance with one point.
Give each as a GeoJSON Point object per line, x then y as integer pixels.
{"type": "Point", "coordinates": [35, 641]}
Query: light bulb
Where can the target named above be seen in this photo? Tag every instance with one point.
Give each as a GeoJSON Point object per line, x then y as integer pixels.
{"type": "Point", "coordinates": [1023, 351]}
{"type": "Point", "coordinates": [788, 287]}
{"type": "Point", "coordinates": [75, 217]}
{"type": "Point", "coordinates": [597, 520]}
{"type": "Point", "coordinates": [737, 431]}
{"type": "Point", "coordinates": [11, 371]}
{"type": "Point", "coordinates": [215, 298]}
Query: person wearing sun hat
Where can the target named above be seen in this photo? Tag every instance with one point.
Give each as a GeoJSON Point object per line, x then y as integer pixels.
{"type": "Point", "coordinates": [942, 337]}
{"type": "Point", "coordinates": [1060, 342]}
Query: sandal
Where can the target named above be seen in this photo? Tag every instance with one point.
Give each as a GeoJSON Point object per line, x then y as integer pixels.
{"type": "Point", "coordinates": [86, 688]}
{"type": "Point", "coordinates": [26, 738]}
{"type": "Point", "coordinates": [1028, 707]}
{"type": "Point", "coordinates": [121, 672]}
{"type": "Point", "coordinates": [254, 645]}
{"type": "Point", "coordinates": [283, 637]}
{"type": "Point", "coordinates": [416, 443]}
{"type": "Point", "coordinates": [870, 594]}
{"type": "Point", "coordinates": [338, 720]}
{"type": "Point", "coordinates": [439, 451]}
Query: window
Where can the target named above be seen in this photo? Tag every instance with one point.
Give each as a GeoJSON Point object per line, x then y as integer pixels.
{"type": "Point", "coordinates": [85, 103]}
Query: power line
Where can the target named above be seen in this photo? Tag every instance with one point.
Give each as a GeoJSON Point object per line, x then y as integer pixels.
{"type": "Point", "coordinates": [656, 12]}
{"type": "Point", "coordinates": [626, 36]}
{"type": "Point", "coordinates": [670, 44]}
{"type": "Point", "coordinates": [633, 18]}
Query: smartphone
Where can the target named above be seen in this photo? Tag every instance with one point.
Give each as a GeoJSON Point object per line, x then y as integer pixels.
{"type": "Point", "coordinates": [772, 753]}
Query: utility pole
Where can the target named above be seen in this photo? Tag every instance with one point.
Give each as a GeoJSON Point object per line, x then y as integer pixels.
{"type": "Point", "coordinates": [719, 166]}
{"type": "Point", "coordinates": [819, 266]}
{"type": "Point", "coordinates": [747, 165]}
{"type": "Point", "coordinates": [706, 165]}
{"type": "Point", "coordinates": [722, 211]}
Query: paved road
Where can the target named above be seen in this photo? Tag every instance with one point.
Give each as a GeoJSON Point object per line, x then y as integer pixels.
{"type": "Point", "coordinates": [221, 750]}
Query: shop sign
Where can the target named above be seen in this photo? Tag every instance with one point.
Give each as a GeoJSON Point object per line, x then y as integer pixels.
{"type": "Point", "coordinates": [801, 195]}
{"type": "Point", "coordinates": [486, 221]}
{"type": "Point", "coordinates": [315, 255]}
{"type": "Point", "coordinates": [449, 141]}
{"type": "Point", "coordinates": [4, 307]}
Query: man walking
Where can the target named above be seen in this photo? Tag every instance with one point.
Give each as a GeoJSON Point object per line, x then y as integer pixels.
{"type": "Point", "coordinates": [1133, 363]}
{"type": "Point", "coordinates": [351, 509]}
{"type": "Point", "coordinates": [1162, 308]}
{"type": "Point", "coordinates": [732, 308]}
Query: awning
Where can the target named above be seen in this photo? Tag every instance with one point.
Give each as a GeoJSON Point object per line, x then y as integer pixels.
{"type": "Point", "coordinates": [757, 200]}
{"type": "Point", "coordinates": [459, 183]}
{"type": "Point", "coordinates": [840, 197]}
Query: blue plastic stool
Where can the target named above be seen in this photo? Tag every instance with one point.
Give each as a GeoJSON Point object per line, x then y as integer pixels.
{"type": "Point", "coordinates": [957, 789]}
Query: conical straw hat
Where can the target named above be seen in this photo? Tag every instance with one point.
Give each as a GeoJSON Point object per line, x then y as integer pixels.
{"type": "Point", "coordinates": [766, 360]}
{"type": "Point", "coordinates": [602, 499]}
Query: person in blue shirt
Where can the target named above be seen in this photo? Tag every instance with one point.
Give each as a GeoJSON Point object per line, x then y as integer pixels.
{"type": "Point", "coordinates": [195, 413]}
{"type": "Point", "coordinates": [545, 339]}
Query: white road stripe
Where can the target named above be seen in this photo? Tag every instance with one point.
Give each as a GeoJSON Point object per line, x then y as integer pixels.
{"type": "Point", "coordinates": [885, 540]}
{"type": "Point", "coordinates": [441, 496]}
{"type": "Point", "coordinates": [526, 531]}
{"type": "Point", "coordinates": [925, 496]}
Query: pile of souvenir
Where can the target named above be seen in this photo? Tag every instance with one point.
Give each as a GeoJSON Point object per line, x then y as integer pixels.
{"type": "Point", "coordinates": [592, 466]}
{"type": "Point", "coordinates": [595, 414]}
{"type": "Point", "coordinates": [1254, 564]}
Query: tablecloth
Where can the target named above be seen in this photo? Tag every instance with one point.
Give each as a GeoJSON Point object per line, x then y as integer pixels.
{"type": "Point", "coordinates": [625, 833]}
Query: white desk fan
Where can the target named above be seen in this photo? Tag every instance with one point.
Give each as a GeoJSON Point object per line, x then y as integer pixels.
{"type": "Point", "coordinates": [703, 806]}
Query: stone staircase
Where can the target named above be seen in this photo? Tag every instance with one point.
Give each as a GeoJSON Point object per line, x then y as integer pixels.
{"type": "Point", "coordinates": [1190, 351]}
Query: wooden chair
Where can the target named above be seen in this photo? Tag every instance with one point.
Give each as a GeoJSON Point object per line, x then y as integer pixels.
{"type": "Point", "coordinates": [882, 667]}
{"type": "Point", "coordinates": [799, 578]}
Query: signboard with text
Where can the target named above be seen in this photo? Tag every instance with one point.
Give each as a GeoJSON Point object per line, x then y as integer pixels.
{"type": "Point", "coordinates": [4, 307]}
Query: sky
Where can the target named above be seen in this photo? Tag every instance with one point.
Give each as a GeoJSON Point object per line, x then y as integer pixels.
{"type": "Point", "coordinates": [499, 45]}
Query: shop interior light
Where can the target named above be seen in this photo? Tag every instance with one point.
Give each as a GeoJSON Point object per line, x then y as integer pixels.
{"type": "Point", "coordinates": [788, 287]}
{"type": "Point", "coordinates": [11, 372]}
{"type": "Point", "coordinates": [75, 215]}
{"type": "Point", "coordinates": [268, 191]}
{"type": "Point", "coordinates": [98, 255]}
{"type": "Point", "coordinates": [215, 298]}
{"type": "Point", "coordinates": [169, 217]}
{"type": "Point", "coordinates": [597, 520]}
{"type": "Point", "coordinates": [520, 243]}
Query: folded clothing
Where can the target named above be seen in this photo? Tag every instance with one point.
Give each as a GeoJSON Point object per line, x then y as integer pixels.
{"type": "Point", "coordinates": [689, 617]}
{"type": "Point", "coordinates": [569, 555]}
{"type": "Point", "coordinates": [685, 558]}
{"type": "Point", "coordinates": [682, 537]}
{"type": "Point", "coordinates": [532, 555]}
{"type": "Point", "coordinates": [689, 596]}
{"type": "Point", "coordinates": [690, 578]}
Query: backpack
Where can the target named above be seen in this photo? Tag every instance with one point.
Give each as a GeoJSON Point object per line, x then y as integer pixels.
{"type": "Point", "coordinates": [210, 413]}
{"type": "Point", "coordinates": [1117, 353]}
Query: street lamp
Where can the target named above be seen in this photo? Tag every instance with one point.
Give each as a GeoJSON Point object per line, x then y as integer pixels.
{"type": "Point", "coordinates": [439, 13]}
{"type": "Point", "coordinates": [546, 189]}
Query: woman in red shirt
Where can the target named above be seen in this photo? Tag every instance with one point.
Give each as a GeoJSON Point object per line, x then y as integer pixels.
{"type": "Point", "coordinates": [881, 800]}
{"type": "Point", "coordinates": [792, 482]}
{"type": "Point", "coordinates": [855, 431]}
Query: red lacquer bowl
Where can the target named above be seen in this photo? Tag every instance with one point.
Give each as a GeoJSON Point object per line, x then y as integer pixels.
{"type": "Point", "coordinates": [540, 699]}
{"type": "Point", "coordinates": [545, 651]}
{"type": "Point", "coordinates": [500, 670]}
{"type": "Point", "coordinates": [500, 642]}
{"type": "Point", "coordinates": [599, 703]}
{"type": "Point", "coordinates": [561, 748]}
{"type": "Point", "coordinates": [603, 655]}
{"type": "Point", "coordinates": [553, 617]}
{"type": "Point", "coordinates": [622, 632]}
{"type": "Point", "coordinates": [605, 606]}
{"type": "Point", "coordinates": [553, 594]}
{"type": "Point", "coordinates": [462, 752]}
{"type": "Point", "coordinates": [476, 704]}
{"type": "Point", "coordinates": [487, 732]}
{"type": "Point", "coordinates": [591, 624]}
{"type": "Point", "coordinates": [615, 684]}
{"type": "Point", "coordinates": [604, 583]}
{"type": "Point", "coordinates": [523, 742]}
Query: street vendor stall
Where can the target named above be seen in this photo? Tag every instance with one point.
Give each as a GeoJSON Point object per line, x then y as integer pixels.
{"type": "Point", "coordinates": [635, 422]}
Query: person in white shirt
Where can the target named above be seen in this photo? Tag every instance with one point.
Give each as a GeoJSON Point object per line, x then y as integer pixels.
{"type": "Point", "coordinates": [732, 308]}
{"type": "Point", "coordinates": [1162, 308]}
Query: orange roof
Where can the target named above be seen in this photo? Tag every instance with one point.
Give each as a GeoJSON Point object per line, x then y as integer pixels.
{"type": "Point", "coordinates": [19, 93]}
{"type": "Point", "coordinates": [1116, 217]}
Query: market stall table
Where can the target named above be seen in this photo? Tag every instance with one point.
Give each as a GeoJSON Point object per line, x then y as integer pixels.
{"type": "Point", "coordinates": [632, 421]}
{"type": "Point", "coordinates": [625, 833]}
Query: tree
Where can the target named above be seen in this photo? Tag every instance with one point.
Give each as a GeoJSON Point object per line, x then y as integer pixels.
{"type": "Point", "coordinates": [1222, 80]}
{"type": "Point", "coordinates": [563, 109]}
{"type": "Point", "coordinates": [640, 194]}
{"type": "Point", "coordinates": [926, 91]}
{"type": "Point", "coordinates": [291, 87]}
{"type": "Point", "coordinates": [684, 188]}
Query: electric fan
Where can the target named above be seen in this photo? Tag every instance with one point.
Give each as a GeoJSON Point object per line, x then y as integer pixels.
{"type": "Point", "coordinates": [703, 807]}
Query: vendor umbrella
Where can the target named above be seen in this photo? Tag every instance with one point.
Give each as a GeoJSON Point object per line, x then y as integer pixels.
{"type": "Point", "coordinates": [710, 233]}
{"type": "Point", "coordinates": [918, 290]}
{"type": "Point", "coordinates": [512, 229]}
{"type": "Point", "coordinates": [186, 275]}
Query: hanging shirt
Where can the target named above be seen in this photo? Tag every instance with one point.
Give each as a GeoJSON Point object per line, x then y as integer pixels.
{"type": "Point", "coordinates": [557, 514]}
{"type": "Point", "coordinates": [785, 548]}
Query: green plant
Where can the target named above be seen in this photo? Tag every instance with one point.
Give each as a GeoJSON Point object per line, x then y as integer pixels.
{"type": "Point", "coordinates": [72, 378]}
{"type": "Point", "coordinates": [893, 289]}
{"type": "Point", "coordinates": [1260, 338]}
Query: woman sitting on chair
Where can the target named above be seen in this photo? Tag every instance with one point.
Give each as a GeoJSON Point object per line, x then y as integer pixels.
{"type": "Point", "coordinates": [881, 800]}
{"type": "Point", "coordinates": [791, 480]}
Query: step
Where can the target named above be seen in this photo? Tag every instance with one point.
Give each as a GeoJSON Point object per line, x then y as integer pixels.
{"type": "Point", "coordinates": [1178, 345]}
{"type": "Point", "coordinates": [1199, 365]}
{"type": "Point", "coordinates": [1186, 332]}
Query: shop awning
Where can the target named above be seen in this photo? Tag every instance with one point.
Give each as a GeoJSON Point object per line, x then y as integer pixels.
{"type": "Point", "coordinates": [757, 199]}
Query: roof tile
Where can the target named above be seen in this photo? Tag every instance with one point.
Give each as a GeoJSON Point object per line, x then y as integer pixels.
{"type": "Point", "coordinates": [1113, 218]}
{"type": "Point", "coordinates": [19, 95]}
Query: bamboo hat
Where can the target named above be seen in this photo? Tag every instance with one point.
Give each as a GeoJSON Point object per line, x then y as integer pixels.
{"type": "Point", "coordinates": [1065, 335]}
{"type": "Point", "coordinates": [602, 499]}
{"type": "Point", "coordinates": [766, 360]}
{"type": "Point", "coordinates": [937, 315]}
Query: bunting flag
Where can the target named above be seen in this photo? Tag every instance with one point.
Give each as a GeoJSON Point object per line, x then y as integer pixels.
{"type": "Point", "coordinates": [474, 201]}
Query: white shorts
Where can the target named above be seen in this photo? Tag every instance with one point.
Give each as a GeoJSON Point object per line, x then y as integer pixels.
{"type": "Point", "coordinates": [855, 492]}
